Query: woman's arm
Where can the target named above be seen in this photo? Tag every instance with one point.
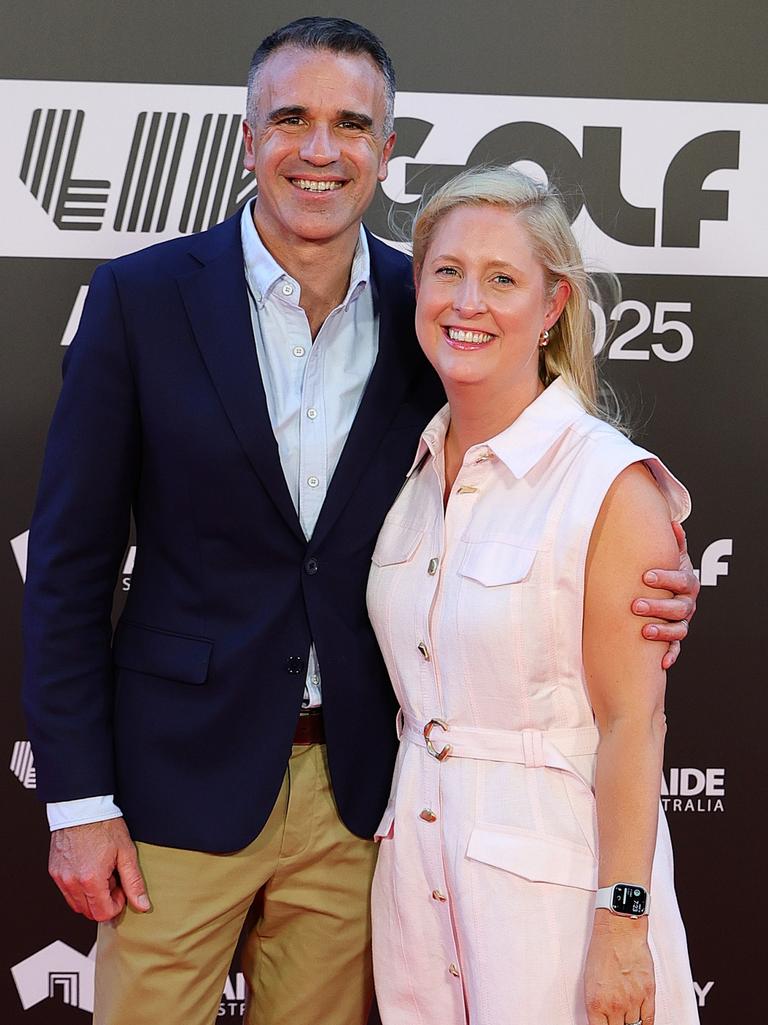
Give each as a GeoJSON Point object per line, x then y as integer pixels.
{"type": "Point", "coordinates": [626, 686]}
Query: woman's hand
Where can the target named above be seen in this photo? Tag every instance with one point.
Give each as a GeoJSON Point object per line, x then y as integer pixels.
{"type": "Point", "coordinates": [619, 984]}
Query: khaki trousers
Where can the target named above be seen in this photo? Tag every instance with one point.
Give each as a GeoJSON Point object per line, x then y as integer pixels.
{"type": "Point", "coordinates": [306, 954]}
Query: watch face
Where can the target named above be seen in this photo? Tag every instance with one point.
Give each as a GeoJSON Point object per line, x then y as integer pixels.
{"type": "Point", "coordinates": [628, 900]}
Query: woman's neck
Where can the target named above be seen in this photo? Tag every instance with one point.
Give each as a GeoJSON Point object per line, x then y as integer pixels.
{"type": "Point", "coordinates": [477, 416]}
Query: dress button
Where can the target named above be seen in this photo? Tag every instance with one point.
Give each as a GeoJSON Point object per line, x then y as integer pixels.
{"type": "Point", "coordinates": [439, 895]}
{"type": "Point", "coordinates": [287, 288]}
{"type": "Point", "coordinates": [313, 481]}
{"type": "Point", "coordinates": [312, 413]}
{"type": "Point", "coordinates": [294, 664]}
{"type": "Point", "coordinates": [432, 567]}
{"type": "Point", "coordinates": [299, 350]}
{"type": "Point", "coordinates": [453, 969]}
{"type": "Point", "coordinates": [428, 815]}
{"type": "Point", "coordinates": [424, 651]}
{"type": "Point", "coordinates": [311, 567]}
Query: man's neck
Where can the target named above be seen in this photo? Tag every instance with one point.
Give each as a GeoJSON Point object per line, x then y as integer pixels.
{"type": "Point", "coordinates": [322, 269]}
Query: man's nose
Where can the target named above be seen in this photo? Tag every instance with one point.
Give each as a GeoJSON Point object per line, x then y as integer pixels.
{"type": "Point", "coordinates": [319, 146]}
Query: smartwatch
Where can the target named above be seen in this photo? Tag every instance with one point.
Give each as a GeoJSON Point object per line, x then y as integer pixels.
{"type": "Point", "coordinates": [630, 900]}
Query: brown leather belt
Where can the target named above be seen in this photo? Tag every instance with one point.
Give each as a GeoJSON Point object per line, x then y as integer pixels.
{"type": "Point", "coordinates": [310, 728]}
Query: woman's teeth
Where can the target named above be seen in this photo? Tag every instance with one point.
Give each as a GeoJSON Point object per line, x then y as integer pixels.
{"type": "Point", "coordinates": [474, 337]}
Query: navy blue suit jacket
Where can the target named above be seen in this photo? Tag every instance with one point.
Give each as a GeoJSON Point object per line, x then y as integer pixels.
{"type": "Point", "coordinates": [187, 714]}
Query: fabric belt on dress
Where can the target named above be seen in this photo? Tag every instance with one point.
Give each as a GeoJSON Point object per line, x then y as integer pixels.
{"type": "Point", "coordinates": [532, 748]}
{"type": "Point", "coordinates": [310, 728]}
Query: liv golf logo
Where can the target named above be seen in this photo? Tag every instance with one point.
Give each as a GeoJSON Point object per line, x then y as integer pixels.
{"type": "Point", "coordinates": [653, 187]}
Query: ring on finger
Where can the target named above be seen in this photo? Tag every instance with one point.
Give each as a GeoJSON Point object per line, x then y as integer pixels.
{"type": "Point", "coordinates": [638, 1022]}
{"type": "Point", "coordinates": [687, 625]}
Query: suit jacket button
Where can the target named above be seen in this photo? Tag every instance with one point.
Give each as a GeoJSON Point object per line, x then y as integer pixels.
{"type": "Point", "coordinates": [311, 567]}
{"type": "Point", "coordinates": [294, 664]}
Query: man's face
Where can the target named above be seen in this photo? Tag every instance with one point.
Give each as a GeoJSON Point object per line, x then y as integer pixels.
{"type": "Point", "coordinates": [317, 145]}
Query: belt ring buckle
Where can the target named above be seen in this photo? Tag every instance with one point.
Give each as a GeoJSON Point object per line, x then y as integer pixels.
{"type": "Point", "coordinates": [443, 753]}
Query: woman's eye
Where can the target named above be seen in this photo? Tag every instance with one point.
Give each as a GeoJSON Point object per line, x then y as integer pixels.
{"type": "Point", "coordinates": [503, 279]}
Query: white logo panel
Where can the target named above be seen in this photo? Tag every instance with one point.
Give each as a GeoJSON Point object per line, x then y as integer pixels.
{"type": "Point", "coordinates": [97, 169]}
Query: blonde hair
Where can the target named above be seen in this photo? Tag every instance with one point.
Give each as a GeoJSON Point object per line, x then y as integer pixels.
{"type": "Point", "coordinates": [569, 352]}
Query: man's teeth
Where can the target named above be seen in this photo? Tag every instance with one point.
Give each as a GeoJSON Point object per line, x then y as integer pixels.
{"type": "Point", "coordinates": [315, 186]}
{"type": "Point", "coordinates": [474, 337]}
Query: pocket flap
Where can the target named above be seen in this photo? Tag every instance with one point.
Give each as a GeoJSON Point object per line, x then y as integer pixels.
{"type": "Point", "coordinates": [157, 653]}
{"type": "Point", "coordinates": [538, 858]}
{"type": "Point", "coordinates": [496, 562]}
{"type": "Point", "coordinates": [397, 543]}
{"type": "Point", "coordinates": [386, 828]}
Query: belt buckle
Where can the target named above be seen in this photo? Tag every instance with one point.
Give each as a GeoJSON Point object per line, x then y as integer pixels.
{"type": "Point", "coordinates": [443, 753]}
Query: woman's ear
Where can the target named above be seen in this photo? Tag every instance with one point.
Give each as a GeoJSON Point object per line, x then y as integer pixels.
{"type": "Point", "coordinates": [557, 303]}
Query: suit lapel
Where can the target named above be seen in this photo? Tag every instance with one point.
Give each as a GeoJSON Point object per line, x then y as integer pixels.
{"type": "Point", "coordinates": [216, 300]}
{"type": "Point", "coordinates": [396, 364]}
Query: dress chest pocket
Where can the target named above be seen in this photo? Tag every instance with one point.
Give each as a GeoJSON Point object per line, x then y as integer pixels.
{"type": "Point", "coordinates": [397, 543]}
{"type": "Point", "coordinates": [494, 563]}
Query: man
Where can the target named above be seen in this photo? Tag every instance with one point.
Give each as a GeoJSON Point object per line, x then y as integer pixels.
{"type": "Point", "coordinates": [255, 395]}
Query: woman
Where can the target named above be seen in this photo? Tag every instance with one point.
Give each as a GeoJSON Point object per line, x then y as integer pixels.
{"type": "Point", "coordinates": [532, 723]}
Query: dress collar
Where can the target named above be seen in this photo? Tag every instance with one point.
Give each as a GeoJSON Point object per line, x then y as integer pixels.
{"type": "Point", "coordinates": [525, 442]}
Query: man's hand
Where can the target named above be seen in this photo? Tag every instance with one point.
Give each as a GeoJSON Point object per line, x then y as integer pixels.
{"type": "Point", "coordinates": [96, 868]}
{"type": "Point", "coordinates": [678, 610]}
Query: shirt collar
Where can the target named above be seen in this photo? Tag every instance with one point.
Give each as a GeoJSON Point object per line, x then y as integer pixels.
{"type": "Point", "coordinates": [263, 272]}
{"type": "Point", "coordinates": [525, 442]}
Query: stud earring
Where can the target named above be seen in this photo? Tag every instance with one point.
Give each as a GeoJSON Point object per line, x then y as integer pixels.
{"type": "Point", "coordinates": [544, 339]}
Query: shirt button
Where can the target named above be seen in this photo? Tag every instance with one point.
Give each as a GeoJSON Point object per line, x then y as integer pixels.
{"type": "Point", "coordinates": [311, 567]}
{"type": "Point", "coordinates": [294, 664]}
{"type": "Point", "coordinates": [453, 969]}
{"type": "Point", "coordinates": [424, 651]}
{"type": "Point", "coordinates": [428, 815]}
{"type": "Point", "coordinates": [432, 567]}
{"type": "Point", "coordinates": [299, 350]}
{"type": "Point", "coordinates": [312, 413]}
{"type": "Point", "coordinates": [313, 481]}
{"type": "Point", "coordinates": [287, 288]}
{"type": "Point", "coordinates": [439, 895]}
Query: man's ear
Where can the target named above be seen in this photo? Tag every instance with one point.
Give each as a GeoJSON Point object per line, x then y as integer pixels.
{"type": "Point", "coordinates": [249, 147]}
{"type": "Point", "coordinates": [389, 145]}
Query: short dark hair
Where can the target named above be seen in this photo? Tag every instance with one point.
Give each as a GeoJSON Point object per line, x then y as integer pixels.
{"type": "Point", "coordinates": [335, 34]}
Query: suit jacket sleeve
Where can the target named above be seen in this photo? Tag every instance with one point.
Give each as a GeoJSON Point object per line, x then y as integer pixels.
{"type": "Point", "coordinates": [77, 539]}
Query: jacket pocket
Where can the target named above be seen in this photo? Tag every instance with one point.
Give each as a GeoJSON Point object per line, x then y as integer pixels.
{"type": "Point", "coordinates": [143, 649]}
{"type": "Point", "coordinates": [493, 563]}
{"type": "Point", "coordinates": [544, 859]}
{"type": "Point", "coordinates": [397, 543]}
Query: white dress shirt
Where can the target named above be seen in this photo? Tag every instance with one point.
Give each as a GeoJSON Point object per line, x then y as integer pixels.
{"type": "Point", "coordinates": [313, 391]}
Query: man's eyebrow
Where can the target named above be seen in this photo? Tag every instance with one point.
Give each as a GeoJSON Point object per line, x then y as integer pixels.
{"type": "Point", "coordinates": [354, 115]}
{"type": "Point", "coordinates": [281, 112]}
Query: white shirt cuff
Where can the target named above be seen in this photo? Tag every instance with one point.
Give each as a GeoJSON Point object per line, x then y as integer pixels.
{"type": "Point", "coordinates": [63, 814]}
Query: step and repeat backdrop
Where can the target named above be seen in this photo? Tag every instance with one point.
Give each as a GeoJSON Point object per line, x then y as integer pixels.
{"type": "Point", "coordinates": [122, 129]}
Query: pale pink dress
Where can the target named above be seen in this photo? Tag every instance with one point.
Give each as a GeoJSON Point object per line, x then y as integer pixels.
{"type": "Point", "coordinates": [484, 891]}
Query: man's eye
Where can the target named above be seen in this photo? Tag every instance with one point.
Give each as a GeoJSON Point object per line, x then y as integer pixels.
{"type": "Point", "coordinates": [293, 120]}
{"type": "Point", "coordinates": [447, 272]}
{"type": "Point", "coordinates": [503, 279]}
{"type": "Point", "coordinates": [351, 126]}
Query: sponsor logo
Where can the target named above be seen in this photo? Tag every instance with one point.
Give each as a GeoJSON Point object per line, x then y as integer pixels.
{"type": "Point", "coordinates": [233, 999]}
{"type": "Point", "coordinates": [652, 186]}
{"type": "Point", "coordinates": [23, 764]}
{"type": "Point", "coordinates": [19, 548]}
{"type": "Point", "coordinates": [57, 972]}
{"type": "Point", "coordinates": [701, 992]}
{"type": "Point", "coordinates": [714, 562]}
{"type": "Point", "coordinates": [701, 790]}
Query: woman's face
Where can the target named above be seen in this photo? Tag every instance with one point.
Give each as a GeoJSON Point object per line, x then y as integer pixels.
{"type": "Point", "coordinates": [482, 300]}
